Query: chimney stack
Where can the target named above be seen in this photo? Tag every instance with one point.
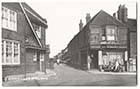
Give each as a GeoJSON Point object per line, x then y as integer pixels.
{"type": "Point", "coordinates": [80, 25]}
{"type": "Point", "coordinates": [114, 15]}
{"type": "Point", "coordinates": [122, 13]}
{"type": "Point", "coordinates": [88, 17]}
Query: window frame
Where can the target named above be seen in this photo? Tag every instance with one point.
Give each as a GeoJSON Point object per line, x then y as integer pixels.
{"type": "Point", "coordinates": [10, 24]}
{"type": "Point", "coordinates": [12, 54]}
{"type": "Point", "coordinates": [35, 56]}
{"type": "Point", "coordinates": [114, 34]}
{"type": "Point", "coordinates": [37, 29]}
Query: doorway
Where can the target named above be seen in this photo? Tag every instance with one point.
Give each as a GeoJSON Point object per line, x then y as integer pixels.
{"type": "Point", "coordinates": [94, 57]}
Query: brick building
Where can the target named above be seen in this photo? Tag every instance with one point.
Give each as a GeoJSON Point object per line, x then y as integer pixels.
{"type": "Point", "coordinates": [103, 40]}
{"type": "Point", "coordinates": [24, 48]}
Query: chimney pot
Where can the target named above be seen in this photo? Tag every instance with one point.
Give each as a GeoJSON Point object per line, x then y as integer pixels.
{"type": "Point", "coordinates": [80, 25]}
{"type": "Point", "coordinates": [88, 17]}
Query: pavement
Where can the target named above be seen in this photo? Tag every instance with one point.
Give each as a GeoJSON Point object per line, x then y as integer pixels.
{"type": "Point", "coordinates": [68, 76]}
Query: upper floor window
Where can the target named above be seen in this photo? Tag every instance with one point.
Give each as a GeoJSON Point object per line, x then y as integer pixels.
{"type": "Point", "coordinates": [10, 52]}
{"type": "Point", "coordinates": [9, 19]}
{"type": "Point", "coordinates": [94, 37]}
{"type": "Point", "coordinates": [37, 28]}
{"type": "Point", "coordinates": [111, 33]}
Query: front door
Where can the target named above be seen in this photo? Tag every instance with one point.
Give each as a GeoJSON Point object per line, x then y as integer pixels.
{"type": "Point", "coordinates": [94, 57]}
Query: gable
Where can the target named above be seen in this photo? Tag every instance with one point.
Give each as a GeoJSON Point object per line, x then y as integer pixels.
{"type": "Point", "coordinates": [103, 18]}
{"type": "Point", "coordinates": [29, 22]}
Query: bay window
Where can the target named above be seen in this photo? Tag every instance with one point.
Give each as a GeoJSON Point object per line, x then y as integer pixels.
{"type": "Point", "coordinates": [10, 52]}
{"type": "Point", "coordinates": [111, 33]}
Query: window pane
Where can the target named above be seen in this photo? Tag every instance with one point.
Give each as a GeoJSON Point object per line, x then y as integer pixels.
{"type": "Point", "coordinates": [4, 17]}
{"type": "Point", "coordinates": [35, 56]}
{"type": "Point", "coordinates": [94, 37]}
{"type": "Point", "coordinates": [8, 52]}
{"type": "Point", "coordinates": [110, 33]}
{"type": "Point", "coordinates": [37, 29]}
{"type": "Point", "coordinates": [16, 54]}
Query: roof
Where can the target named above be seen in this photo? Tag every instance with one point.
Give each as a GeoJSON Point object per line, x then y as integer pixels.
{"type": "Point", "coordinates": [132, 24]}
{"type": "Point", "coordinates": [30, 24]}
{"type": "Point", "coordinates": [100, 19]}
{"type": "Point", "coordinates": [103, 18]}
{"type": "Point", "coordinates": [34, 13]}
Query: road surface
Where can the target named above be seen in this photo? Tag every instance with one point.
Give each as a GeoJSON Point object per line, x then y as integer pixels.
{"type": "Point", "coordinates": [68, 76]}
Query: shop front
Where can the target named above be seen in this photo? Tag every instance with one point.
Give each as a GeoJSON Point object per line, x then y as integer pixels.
{"type": "Point", "coordinates": [113, 60]}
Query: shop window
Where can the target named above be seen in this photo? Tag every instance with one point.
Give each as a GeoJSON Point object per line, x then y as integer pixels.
{"type": "Point", "coordinates": [112, 57]}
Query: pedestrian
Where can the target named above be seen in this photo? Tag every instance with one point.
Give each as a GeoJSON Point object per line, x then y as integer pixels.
{"type": "Point", "coordinates": [58, 61]}
{"type": "Point", "coordinates": [89, 61]}
{"type": "Point", "coordinates": [116, 65]}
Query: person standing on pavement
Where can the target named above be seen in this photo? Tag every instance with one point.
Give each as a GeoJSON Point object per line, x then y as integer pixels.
{"type": "Point", "coordinates": [89, 61]}
{"type": "Point", "coordinates": [58, 61]}
{"type": "Point", "coordinates": [116, 65]}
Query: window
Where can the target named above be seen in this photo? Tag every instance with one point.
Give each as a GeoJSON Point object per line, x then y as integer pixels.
{"type": "Point", "coordinates": [10, 52]}
{"type": "Point", "coordinates": [112, 57]}
{"type": "Point", "coordinates": [94, 38]}
{"type": "Point", "coordinates": [9, 19]}
{"type": "Point", "coordinates": [37, 29]}
{"type": "Point", "coordinates": [111, 33]}
{"type": "Point", "coordinates": [35, 56]}
{"type": "Point", "coordinates": [41, 56]}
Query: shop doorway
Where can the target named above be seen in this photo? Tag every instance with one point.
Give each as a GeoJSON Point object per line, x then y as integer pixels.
{"type": "Point", "coordinates": [94, 57]}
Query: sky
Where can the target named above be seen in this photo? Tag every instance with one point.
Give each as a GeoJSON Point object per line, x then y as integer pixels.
{"type": "Point", "coordinates": [63, 18]}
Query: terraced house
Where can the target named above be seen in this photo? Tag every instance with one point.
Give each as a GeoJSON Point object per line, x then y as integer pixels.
{"type": "Point", "coordinates": [24, 48]}
{"type": "Point", "coordinates": [103, 40]}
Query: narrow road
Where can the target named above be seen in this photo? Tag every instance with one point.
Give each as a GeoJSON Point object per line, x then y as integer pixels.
{"type": "Point", "coordinates": [68, 76]}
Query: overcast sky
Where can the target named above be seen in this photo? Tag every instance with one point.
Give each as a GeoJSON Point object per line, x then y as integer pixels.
{"type": "Point", "coordinates": [63, 18]}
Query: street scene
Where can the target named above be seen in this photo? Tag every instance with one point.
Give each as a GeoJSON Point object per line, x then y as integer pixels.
{"type": "Point", "coordinates": [69, 44]}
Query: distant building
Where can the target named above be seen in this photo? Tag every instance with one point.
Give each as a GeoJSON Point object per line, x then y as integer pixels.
{"type": "Point", "coordinates": [24, 48]}
{"type": "Point", "coordinates": [132, 36]}
{"type": "Point", "coordinates": [103, 40]}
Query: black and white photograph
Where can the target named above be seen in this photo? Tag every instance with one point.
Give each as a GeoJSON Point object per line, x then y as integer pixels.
{"type": "Point", "coordinates": [69, 43]}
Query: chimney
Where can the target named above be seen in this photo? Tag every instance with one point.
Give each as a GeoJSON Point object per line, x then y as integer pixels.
{"type": "Point", "coordinates": [114, 15]}
{"type": "Point", "coordinates": [122, 13]}
{"type": "Point", "coordinates": [88, 17]}
{"type": "Point", "coordinates": [80, 25]}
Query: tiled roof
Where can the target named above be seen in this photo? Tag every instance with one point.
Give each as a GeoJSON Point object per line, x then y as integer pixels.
{"type": "Point", "coordinates": [103, 18]}
{"type": "Point", "coordinates": [100, 19]}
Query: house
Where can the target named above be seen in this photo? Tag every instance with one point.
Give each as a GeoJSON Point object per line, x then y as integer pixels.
{"type": "Point", "coordinates": [132, 36]}
{"type": "Point", "coordinates": [24, 48]}
{"type": "Point", "coordinates": [102, 41]}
